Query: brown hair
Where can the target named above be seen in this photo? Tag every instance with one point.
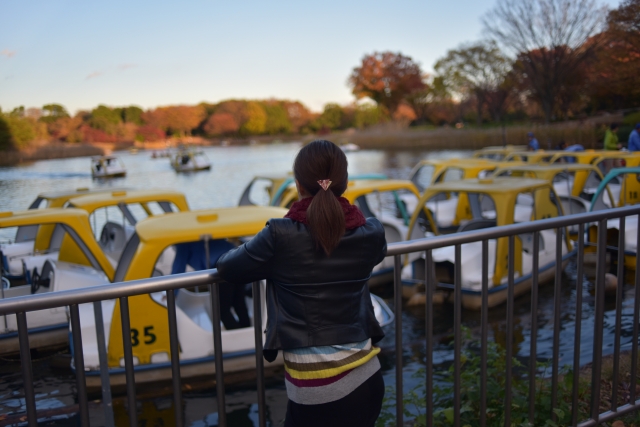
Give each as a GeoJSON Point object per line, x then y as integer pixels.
{"type": "Point", "coordinates": [317, 161]}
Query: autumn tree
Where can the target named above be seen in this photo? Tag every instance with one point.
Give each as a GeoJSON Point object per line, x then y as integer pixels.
{"type": "Point", "coordinates": [368, 115]}
{"type": "Point", "coordinates": [330, 119]}
{"type": "Point", "coordinates": [52, 112]}
{"type": "Point", "coordinates": [476, 71]}
{"type": "Point", "coordinates": [277, 118]}
{"type": "Point", "coordinates": [131, 114]}
{"type": "Point", "coordinates": [176, 120]}
{"type": "Point", "coordinates": [434, 103]}
{"type": "Point", "coordinates": [105, 119]}
{"type": "Point", "coordinates": [613, 74]}
{"type": "Point", "coordinates": [387, 78]}
{"type": "Point", "coordinates": [64, 127]}
{"type": "Point", "coordinates": [549, 38]}
{"type": "Point", "coordinates": [299, 115]}
{"type": "Point", "coordinates": [221, 124]}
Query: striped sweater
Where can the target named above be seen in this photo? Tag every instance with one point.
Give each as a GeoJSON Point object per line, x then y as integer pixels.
{"type": "Point", "coordinates": [316, 375]}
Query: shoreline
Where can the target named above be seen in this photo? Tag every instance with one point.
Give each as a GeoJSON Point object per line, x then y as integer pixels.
{"type": "Point", "coordinates": [380, 137]}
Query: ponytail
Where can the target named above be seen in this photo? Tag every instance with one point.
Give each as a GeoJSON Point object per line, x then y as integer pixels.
{"type": "Point", "coordinates": [318, 161]}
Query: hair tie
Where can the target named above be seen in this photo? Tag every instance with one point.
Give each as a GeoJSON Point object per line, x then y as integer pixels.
{"type": "Point", "coordinates": [324, 183]}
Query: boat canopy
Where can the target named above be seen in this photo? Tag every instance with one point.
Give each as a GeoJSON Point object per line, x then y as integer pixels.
{"type": "Point", "coordinates": [487, 185]}
{"type": "Point", "coordinates": [78, 245]}
{"type": "Point", "coordinates": [357, 188]}
{"type": "Point", "coordinates": [430, 171]}
{"type": "Point", "coordinates": [57, 199]}
{"type": "Point", "coordinates": [628, 178]}
{"type": "Point", "coordinates": [155, 234]}
{"type": "Point", "coordinates": [538, 156]}
{"type": "Point", "coordinates": [595, 157]}
{"type": "Point", "coordinates": [95, 201]}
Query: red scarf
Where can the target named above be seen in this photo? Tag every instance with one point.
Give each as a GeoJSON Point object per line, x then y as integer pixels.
{"type": "Point", "coordinates": [353, 218]}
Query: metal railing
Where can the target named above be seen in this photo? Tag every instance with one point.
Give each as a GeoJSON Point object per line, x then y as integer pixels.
{"type": "Point", "coordinates": [122, 291]}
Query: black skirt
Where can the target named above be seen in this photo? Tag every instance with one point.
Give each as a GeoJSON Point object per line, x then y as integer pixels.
{"type": "Point", "coordinates": [360, 408]}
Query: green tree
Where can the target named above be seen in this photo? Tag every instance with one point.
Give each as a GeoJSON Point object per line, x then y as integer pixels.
{"type": "Point", "coordinates": [475, 71]}
{"type": "Point", "coordinates": [255, 119]}
{"type": "Point", "coordinates": [52, 112]}
{"type": "Point", "coordinates": [105, 119]}
{"type": "Point", "coordinates": [6, 141]}
{"type": "Point", "coordinates": [368, 115]}
{"type": "Point", "coordinates": [277, 119]}
{"type": "Point", "coordinates": [17, 112]}
{"type": "Point", "coordinates": [131, 114]}
{"type": "Point", "coordinates": [22, 131]}
{"type": "Point", "coordinates": [331, 118]}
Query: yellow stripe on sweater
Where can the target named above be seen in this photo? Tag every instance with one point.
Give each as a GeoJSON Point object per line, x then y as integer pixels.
{"type": "Point", "coordinates": [328, 373]}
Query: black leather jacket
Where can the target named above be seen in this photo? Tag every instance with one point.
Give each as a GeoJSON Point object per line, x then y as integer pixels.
{"type": "Point", "coordinates": [312, 299]}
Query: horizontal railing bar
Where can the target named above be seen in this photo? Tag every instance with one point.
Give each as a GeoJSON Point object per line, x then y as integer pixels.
{"type": "Point", "coordinates": [612, 415]}
{"type": "Point", "coordinates": [108, 291]}
{"type": "Point", "coordinates": [435, 242]}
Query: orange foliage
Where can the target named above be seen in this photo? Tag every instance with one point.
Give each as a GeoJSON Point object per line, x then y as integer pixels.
{"type": "Point", "coordinates": [62, 127]}
{"type": "Point", "coordinates": [90, 134]}
{"type": "Point", "coordinates": [299, 115]}
{"type": "Point", "coordinates": [150, 133]}
{"type": "Point", "coordinates": [387, 78]}
{"type": "Point", "coordinates": [175, 119]}
{"type": "Point", "coordinates": [404, 114]}
{"type": "Point", "coordinates": [221, 124]}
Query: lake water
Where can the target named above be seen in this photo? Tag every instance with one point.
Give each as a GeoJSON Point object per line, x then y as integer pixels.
{"type": "Point", "coordinates": [232, 169]}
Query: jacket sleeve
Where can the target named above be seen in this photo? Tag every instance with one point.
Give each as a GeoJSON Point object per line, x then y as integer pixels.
{"type": "Point", "coordinates": [382, 241]}
{"type": "Point", "coordinates": [250, 261]}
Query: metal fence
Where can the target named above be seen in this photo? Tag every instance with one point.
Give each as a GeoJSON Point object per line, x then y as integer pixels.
{"type": "Point", "coordinates": [123, 291]}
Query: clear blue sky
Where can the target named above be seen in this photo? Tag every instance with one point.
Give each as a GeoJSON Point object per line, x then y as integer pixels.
{"type": "Point", "coordinates": [149, 53]}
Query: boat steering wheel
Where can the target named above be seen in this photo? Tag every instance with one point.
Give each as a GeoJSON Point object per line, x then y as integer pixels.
{"type": "Point", "coordinates": [35, 281]}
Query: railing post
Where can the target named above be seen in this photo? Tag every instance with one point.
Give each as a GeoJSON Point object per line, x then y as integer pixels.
{"type": "Point", "coordinates": [509, 343]}
{"type": "Point", "coordinates": [616, 341]}
{"type": "Point", "coordinates": [257, 329]}
{"type": "Point", "coordinates": [557, 294]}
{"type": "Point", "coordinates": [599, 320]}
{"type": "Point", "coordinates": [397, 286]}
{"type": "Point", "coordinates": [27, 372]}
{"type": "Point", "coordinates": [174, 344]}
{"type": "Point", "coordinates": [484, 326]}
{"type": "Point", "coordinates": [636, 316]}
{"type": "Point", "coordinates": [431, 285]}
{"type": "Point", "coordinates": [578, 326]}
{"type": "Point", "coordinates": [214, 289]}
{"type": "Point", "coordinates": [104, 365]}
{"type": "Point", "coordinates": [128, 361]}
{"type": "Point", "coordinates": [457, 332]}
{"type": "Point", "coordinates": [533, 349]}
{"type": "Point", "coordinates": [78, 361]}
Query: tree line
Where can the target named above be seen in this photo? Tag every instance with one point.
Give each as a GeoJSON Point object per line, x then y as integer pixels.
{"type": "Point", "coordinates": [542, 60]}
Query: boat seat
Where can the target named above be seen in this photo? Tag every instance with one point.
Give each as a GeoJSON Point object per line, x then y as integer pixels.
{"type": "Point", "coordinates": [477, 224]}
{"type": "Point", "coordinates": [527, 242]}
{"type": "Point", "coordinates": [26, 233]}
{"type": "Point", "coordinates": [113, 238]}
{"type": "Point", "coordinates": [191, 303]}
